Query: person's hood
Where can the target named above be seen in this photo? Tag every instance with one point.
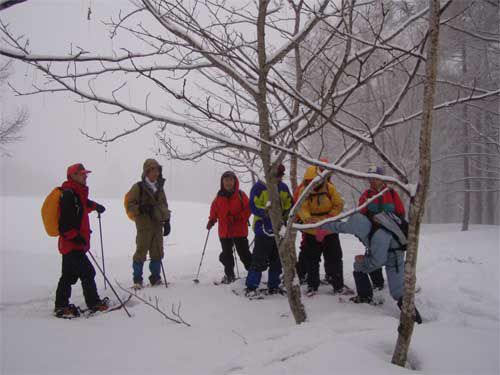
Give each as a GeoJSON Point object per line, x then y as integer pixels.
{"type": "Point", "coordinates": [152, 163]}
{"type": "Point", "coordinates": [236, 183]}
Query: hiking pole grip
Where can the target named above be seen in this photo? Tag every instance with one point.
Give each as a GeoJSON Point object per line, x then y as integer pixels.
{"type": "Point", "coordinates": [111, 286]}
{"type": "Point", "coordinates": [102, 249]}
{"type": "Point", "coordinates": [202, 255]}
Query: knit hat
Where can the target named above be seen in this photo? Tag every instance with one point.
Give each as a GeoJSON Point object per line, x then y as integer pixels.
{"type": "Point", "coordinates": [281, 171]}
{"type": "Point", "coordinates": [376, 169]}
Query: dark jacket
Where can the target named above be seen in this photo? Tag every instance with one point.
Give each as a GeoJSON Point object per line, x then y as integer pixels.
{"type": "Point", "coordinates": [74, 217]}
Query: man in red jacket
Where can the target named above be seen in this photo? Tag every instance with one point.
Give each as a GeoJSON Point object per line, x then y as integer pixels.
{"type": "Point", "coordinates": [74, 242]}
{"type": "Point", "coordinates": [231, 209]}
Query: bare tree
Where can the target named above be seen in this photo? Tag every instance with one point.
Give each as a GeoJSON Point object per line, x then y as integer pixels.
{"type": "Point", "coordinates": [224, 77]}
{"type": "Point", "coordinates": [417, 202]}
{"type": "Point", "coordinates": [11, 126]}
{"type": "Point", "coordinates": [4, 4]}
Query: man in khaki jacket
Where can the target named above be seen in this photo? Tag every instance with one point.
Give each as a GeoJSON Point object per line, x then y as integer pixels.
{"type": "Point", "coordinates": [147, 203]}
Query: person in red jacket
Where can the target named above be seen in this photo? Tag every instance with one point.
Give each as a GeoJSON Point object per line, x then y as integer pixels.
{"type": "Point", "coordinates": [388, 202]}
{"type": "Point", "coordinates": [231, 209]}
{"type": "Point", "coordinates": [74, 242]}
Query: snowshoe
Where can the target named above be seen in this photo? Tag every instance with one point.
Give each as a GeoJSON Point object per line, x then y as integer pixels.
{"type": "Point", "coordinates": [368, 300]}
{"type": "Point", "coordinates": [311, 292]}
{"type": "Point", "coordinates": [359, 299]}
{"type": "Point", "coordinates": [102, 305]}
{"type": "Point", "coordinates": [344, 291]}
{"type": "Point", "coordinates": [277, 290]}
{"type": "Point", "coordinates": [68, 312]}
{"type": "Point", "coordinates": [252, 293]}
{"type": "Point", "coordinates": [138, 286]}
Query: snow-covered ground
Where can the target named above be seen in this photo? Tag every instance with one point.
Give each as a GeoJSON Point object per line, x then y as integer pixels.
{"type": "Point", "coordinates": [458, 273]}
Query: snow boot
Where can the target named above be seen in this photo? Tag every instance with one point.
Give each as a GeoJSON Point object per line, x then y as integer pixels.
{"type": "Point", "coordinates": [344, 291]}
{"type": "Point", "coordinates": [138, 285]}
{"type": "Point", "coordinates": [358, 299]}
{"type": "Point", "coordinates": [102, 305]}
{"type": "Point", "coordinates": [155, 280]}
{"type": "Point", "coordinates": [67, 312]}
{"type": "Point", "coordinates": [227, 279]}
{"type": "Point", "coordinates": [251, 293]}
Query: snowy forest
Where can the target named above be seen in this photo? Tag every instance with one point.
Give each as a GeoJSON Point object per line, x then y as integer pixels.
{"type": "Point", "coordinates": [406, 92]}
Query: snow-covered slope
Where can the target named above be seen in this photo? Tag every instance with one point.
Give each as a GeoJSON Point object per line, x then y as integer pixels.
{"type": "Point", "coordinates": [458, 274]}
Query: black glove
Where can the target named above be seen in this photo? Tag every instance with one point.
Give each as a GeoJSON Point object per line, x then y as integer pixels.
{"type": "Point", "coordinates": [100, 208]}
{"type": "Point", "coordinates": [166, 228]}
{"type": "Point", "coordinates": [79, 240]}
{"type": "Point", "coordinates": [146, 209]}
{"type": "Point", "coordinates": [210, 224]}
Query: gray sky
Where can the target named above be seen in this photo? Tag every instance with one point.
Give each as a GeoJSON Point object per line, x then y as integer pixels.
{"type": "Point", "coordinates": [52, 138]}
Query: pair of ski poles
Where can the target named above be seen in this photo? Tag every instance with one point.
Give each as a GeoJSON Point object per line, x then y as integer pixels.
{"type": "Point", "coordinates": [104, 265]}
{"type": "Point", "coordinates": [103, 269]}
{"type": "Point", "coordinates": [196, 279]}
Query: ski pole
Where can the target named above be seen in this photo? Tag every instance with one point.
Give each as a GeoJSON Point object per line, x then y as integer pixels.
{"type": "Point", "coordinates": [236, 262]}
{"type": "Point", "coordinates": [111, 286]}
{"type": "Point", "coordinates": [102, 250]}
{"type": "Point", "coordinates": [201, 260]}
{"type": "Point", "coordinates": [164, 277]}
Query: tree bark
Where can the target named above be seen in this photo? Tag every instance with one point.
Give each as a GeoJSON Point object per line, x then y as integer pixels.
{"type": "Point", "coordinates": [417, 202]}
{"type": "Point", "coordinates": [466, 213]}
{"type": "Point", "coordinates": [286, 252]}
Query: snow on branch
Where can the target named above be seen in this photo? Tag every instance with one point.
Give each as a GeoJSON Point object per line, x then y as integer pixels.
{"type": "Point", "coordinates": [446, 104]}
{"type": "Point", "coordinates": [340, 216]}
{"type": "Point", "coordinates": [299, 37]}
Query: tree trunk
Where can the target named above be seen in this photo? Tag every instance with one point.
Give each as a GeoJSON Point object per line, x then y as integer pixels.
{"type": "Point", "coordinates": [417, 202]}
{"type": "Point", "coordinates": [466, 213]}
{"type": "Point", "coordinates": [287, 253]}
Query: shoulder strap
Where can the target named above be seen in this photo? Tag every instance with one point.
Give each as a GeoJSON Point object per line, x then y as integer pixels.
{"type": "Point", "coordinates": [141, 188]}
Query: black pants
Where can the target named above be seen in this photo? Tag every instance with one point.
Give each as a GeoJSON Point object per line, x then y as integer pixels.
{"type": "Point", "coordinates": [227, 258]}
{"type": "Point", "coordinates": [332, 252]}
{"type": "Point", "coordinates": [265, 255]}
{"type": "Point", "coordinates": [301, 266]}
{"type": "Point", "coordinates": [363, 285]}
{"type": "Point", "coordinates": [377, 278]}
{"type": "Point", "coordinates": [76, 265]}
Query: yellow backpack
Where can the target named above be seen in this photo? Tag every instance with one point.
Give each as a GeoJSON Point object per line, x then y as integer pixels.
{"type": "Point", "coordinates": [130, 215]}
{"type": "Point", "coordinates": [50, 212]}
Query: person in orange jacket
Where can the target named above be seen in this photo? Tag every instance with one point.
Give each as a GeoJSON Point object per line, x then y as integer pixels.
{"type": "Point", "coordinates": [322, 202]}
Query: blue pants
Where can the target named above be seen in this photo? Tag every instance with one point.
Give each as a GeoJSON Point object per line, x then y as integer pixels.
{"type": "Point", "coordinates": [154, 268]}
{"type": "Point", "coordinates": [265, 255]}
{"type": "Point", "coordinates": [380, 250]}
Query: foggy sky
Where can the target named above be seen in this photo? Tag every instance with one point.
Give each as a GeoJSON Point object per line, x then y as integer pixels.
{"type": "Point", "coordinates": [52, 138]}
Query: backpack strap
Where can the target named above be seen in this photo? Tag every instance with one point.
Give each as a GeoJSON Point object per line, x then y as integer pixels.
{"type": "Point", "coordinates": [141, 189]}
